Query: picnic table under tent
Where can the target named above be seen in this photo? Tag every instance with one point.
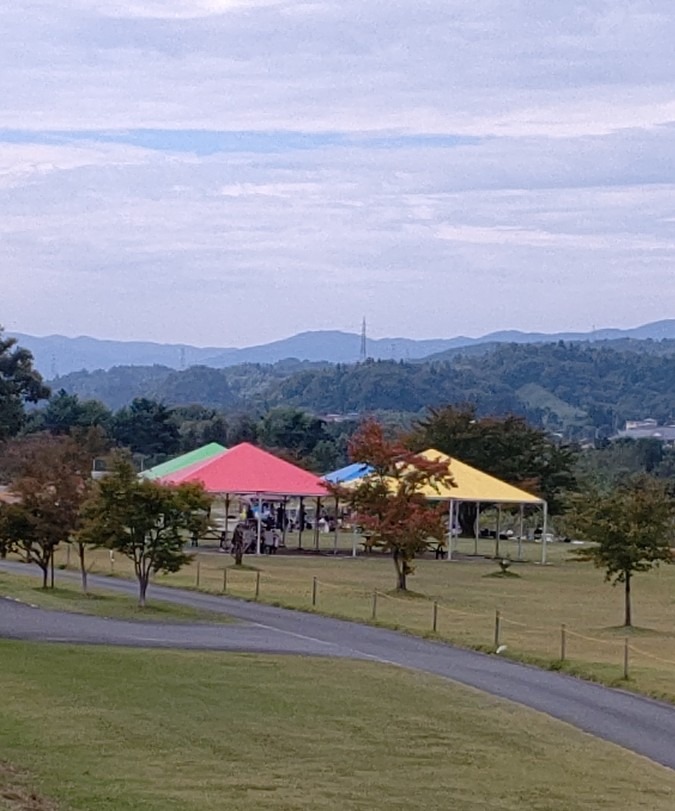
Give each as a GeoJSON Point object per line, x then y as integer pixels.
{"type": "Point", "coordinates": [471, 485]}
{"type": "Point", "coordinates": [183, 461]}
{"type": "Point", "coordinates": [245, 470]}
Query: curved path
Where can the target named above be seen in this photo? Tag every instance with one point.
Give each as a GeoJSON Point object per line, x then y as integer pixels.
{"type": "Point", "coordinates": [634, 722]}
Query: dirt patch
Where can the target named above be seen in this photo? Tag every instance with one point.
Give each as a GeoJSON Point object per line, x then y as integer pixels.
{"type": "Point", "coordinates": [16, 795]}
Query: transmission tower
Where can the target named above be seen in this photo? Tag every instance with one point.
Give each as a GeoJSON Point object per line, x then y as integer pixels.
{"type": "Point", "coordinates": [364, 347]}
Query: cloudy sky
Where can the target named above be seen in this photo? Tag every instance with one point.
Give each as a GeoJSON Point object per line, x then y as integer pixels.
{"type": "Point", "coordinates": [233, 171]}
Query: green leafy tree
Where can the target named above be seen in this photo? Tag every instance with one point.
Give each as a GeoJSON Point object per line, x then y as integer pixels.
{"type": "Point", "coordinates": [66, 412]}
{"type": "Point", "coordinates": [389, 503]}
{"type": "Point", "coordinates": [20, 383]}
{"type": "Point", "coordinates": [49, 489]}
{"type": "Point", "coordinates": [631, 528]}
{"type": "Point", "coordinates": [292, 429]}
{"type": "Point", "coordinates": [143, 520]}
{"type": "Point", "coordinates": [505, 447]}
{"type": "Point", "coordinates": [146, 428]}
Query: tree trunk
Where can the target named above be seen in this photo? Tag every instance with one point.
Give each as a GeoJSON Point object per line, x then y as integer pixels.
{"type": "Point", "coordinates": [467, 515]}
{"type": "Point", "coordinates": [51, 566]}
{"type": "Point", "coordinates": [83, 567]}
{"type": "Point", "coordinates": [628, 609]}
{"type": "Point", "coordinates": [142, 589]}
{"type": "Point", "coordinates": [401, 571]}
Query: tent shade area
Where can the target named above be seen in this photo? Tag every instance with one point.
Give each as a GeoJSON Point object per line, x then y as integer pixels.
{"type": "Point", "coordinates": [472, 485]}
{"type": "Point", "coordinates": [184, 461]}
{"type": "Point", "coordinates": [247, 470]}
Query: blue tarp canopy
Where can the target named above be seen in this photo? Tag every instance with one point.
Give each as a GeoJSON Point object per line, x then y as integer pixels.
{"type": "Point", "coordinates": [348, 474]}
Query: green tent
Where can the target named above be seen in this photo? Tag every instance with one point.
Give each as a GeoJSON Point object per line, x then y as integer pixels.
{"type": "Point", "coordinates": [202, 454]}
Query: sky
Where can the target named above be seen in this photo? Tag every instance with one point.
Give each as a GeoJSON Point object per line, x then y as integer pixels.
{"type": "Point", "coordinates": [229, 172]}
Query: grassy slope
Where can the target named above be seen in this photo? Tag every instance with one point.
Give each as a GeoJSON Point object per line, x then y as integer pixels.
{"type": "Point", "coordinates": [69, 597]}
{"type": "Point", "coordinates": [130, 730]}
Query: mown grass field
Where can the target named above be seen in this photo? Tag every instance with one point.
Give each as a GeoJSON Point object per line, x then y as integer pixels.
{"type": "Point", "coordinates": [99, 729]}
{"type": "Point", "coordinates": [533, 606]}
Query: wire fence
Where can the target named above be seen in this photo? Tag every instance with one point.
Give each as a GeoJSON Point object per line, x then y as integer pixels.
{"type": "Point", "coordinates": [613, 656]}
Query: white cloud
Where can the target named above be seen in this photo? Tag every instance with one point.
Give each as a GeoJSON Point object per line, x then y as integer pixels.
{"type": "Point", "coordinates": [566, 192]}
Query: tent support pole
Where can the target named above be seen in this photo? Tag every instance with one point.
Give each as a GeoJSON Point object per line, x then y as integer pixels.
{"type": "Point", "coordinates": [337, 511]}
{"type": "Point", "coordinates": [499, 529]}
{"type": "Point", "coordinates": [284, 522]}
{"type": "Point", "coordinates": [476, 531]}
{"type": "Point", "coordinates": [227, 512]}
{"type": "Point", "coordinates": [521, 532]}
{"type": "Point", "coordinates": [544, 535]}
{"type": "Point", "coordinates": [451, 518]}
{"type": "Point", "coordinates": [316, 525]}
{"type": "Point", "coordinates": [259, 528]}
{"type": "Point", "coordinates": [354, 535]}
{"type": "Point", "coordinates": [301, 521]}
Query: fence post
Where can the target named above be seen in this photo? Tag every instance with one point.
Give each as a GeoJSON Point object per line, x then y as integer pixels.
{"type": "Point", "coordinates": [374, 615]}
{"type": "Point", "coordinates": [563, 642]}
{"type": "Point", "coordinates": [112, 562]}
{"type": "Point", "coordinates": [434, 622]}
{"type": "Point", "coordinates": [498, 627]}
{"type": "Point", "coordinates": [626, 671]}
{"type": "Point", "coordinates": [257, 585]}
{"type": "Point", "coordinates": [313, 592]}
{"type": "Point", "coordinates": [197, 579]}
{"type": "Point", "coordinates": [225, 580]}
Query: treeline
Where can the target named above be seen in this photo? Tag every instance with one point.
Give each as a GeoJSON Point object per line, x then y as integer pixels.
{"type": "Point", "coordinates": [578, 390]}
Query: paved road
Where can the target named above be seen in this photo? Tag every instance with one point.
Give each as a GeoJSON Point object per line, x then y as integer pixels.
{"type": "Point", "coordinates": [636, 723]}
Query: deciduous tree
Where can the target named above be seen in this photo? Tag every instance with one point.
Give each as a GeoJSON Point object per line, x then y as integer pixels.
{"type": "Point", "coordinates": [143, 520]}
{"type": "Point", "coordinates": [390, 504]}
{"type": "Point", "coordinates": [49, 487]}
{"type": "Point", "coordinates": [631, 528]}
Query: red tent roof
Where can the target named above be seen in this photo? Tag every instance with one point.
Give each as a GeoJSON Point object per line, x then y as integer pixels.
{"type": "Point", "coordinates": [247, 469]}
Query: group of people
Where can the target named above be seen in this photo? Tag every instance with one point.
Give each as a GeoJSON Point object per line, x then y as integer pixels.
{"type": "Point", "coordinates": [245, 537]}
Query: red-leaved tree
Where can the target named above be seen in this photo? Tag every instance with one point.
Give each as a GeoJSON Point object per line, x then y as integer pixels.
{"type": "Point", "coordinates": [390, 503]}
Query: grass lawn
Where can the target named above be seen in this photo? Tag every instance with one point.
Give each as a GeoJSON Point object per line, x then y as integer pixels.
{"type": "Point", "coordinates": [100, 729]}
{"type": "Point", "coordinates": [69, 597]}
{"type": "Point", "coordinates": [533, 606]}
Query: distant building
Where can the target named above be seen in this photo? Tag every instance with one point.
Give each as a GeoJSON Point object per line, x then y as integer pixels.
{"type": "Point", "coordinates": [647, 429]}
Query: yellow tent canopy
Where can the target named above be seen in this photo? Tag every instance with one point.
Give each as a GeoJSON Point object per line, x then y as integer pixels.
{"type": "Point", "coordinates": [474, 485]}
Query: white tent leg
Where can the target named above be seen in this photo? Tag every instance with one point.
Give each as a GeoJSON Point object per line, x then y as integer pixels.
{"type": "Point", "coordinates": [259, 533]}
{"type": "Point", "coordinates": [545, 533]}
{"type": "Point", "coordinates": [521, 532]}
{"type": "Point", "coordinates": [499, 529]}
{"type": "Point", "coordinates": [477, 530]}
{"type": "Point", "coordinates": [451, 518]}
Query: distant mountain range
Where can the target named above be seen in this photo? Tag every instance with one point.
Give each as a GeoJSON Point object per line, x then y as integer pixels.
{"type": "Point", "coordinates": [57, 355]}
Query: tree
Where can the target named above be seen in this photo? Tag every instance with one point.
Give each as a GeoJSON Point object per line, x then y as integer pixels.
{"type": "Point", "coordinates": [293, 430]}
{"type": "Point", "coordinates": [66, 412]}
{"type": "Point", "coordinates": [20, 383]}
{"type": "Point", "coordinates": [49, 491]}
{"type": "Point", "coordinates": [505, 447]}
{"type": "Point", "coordinates": [143, 520]}
{"type": "Point", "coordinates": [146, 427]}
{"type": "Point", "coordinates": [389, 503]}
{"type": "Point", "coordinates": [631, 527]}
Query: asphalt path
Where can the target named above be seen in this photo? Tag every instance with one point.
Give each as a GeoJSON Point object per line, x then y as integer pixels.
{"type": "Point", "coordinates": [637, 723]}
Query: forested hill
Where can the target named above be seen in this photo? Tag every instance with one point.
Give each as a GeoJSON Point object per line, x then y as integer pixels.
{"type": "Point", "coordinates": [566, 387]}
